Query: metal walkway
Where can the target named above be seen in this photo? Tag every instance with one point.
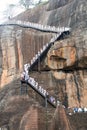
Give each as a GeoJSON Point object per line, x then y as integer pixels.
{"type": "Point", "coordinates": [44, 28]}
{"type": "Point", "coordinates": [59, 32]}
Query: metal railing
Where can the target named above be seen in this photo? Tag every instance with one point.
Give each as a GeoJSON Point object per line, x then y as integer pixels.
{"type": "Point", "coordinates": [45, 28]}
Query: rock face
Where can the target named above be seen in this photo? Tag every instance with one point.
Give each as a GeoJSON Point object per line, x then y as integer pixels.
{"type": "Point", "coordinates": [17, 47]}
{"type": "Point", "coordinates": [66, 60]}
{"type": "Point", "coordinates": [70, 58]}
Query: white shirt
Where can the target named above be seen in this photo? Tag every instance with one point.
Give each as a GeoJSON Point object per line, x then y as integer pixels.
{"type": "Point", "coordinates": [26, 76]}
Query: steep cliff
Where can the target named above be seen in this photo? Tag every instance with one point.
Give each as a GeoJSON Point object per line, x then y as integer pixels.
{"type": "Point", "coordinates": [18, 46]}
{"type": "Point", "coordinates": [66, 60]}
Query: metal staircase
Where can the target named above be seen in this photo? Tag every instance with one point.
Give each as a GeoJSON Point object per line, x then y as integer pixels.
{"type": "Point", "coordinates": [27, 67]}
{"type": "Point", "coordinates": [31, 82]}
{"type": "Point", "coordinates": [36, 26]}
{"type": "Point", "coordinates": [42, 51]}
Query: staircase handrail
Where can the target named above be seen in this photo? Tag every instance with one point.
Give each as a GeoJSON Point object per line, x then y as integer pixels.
{"type": "Point", "coordinates": [35, 86]}
{"type": "Point", "coordinates": [36, 26]}
{"type": "Point", "coordinates": [40, 27]}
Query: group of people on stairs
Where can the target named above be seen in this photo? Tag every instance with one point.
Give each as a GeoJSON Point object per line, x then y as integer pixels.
{"type": "Point", "coordinates": [39, 53]}
{"type": "Point", "coordinates": [25, 78]}
{"type": "Point", "coordinates": [74, 110]}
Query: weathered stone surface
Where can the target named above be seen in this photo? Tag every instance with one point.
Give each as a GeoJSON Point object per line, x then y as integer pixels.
{"type": "Point", "coordinates": [16, 109]}
{"type": "Point", "coordinates": [64, 122]}
{"type": "Point", "coordinates": [57, 3]}
{"type": "Point", "coordinates": [18, 46]}
{"type": "Point", "coordinates": [69, 53]}
{"type": "Point", "coordinates": [66, 60]}
{"type": "Point", "coordinates": [69, 58]}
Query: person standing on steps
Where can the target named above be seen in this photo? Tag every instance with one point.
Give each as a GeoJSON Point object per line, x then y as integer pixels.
{"type": "Point", "coordinates": [26, 76]}
{"type": "Point", "coordinates": [24, 79]}
{"type": "Point", "coordinates": [26, 66]}
{"type": "Point", "coordinates": [47, 95]}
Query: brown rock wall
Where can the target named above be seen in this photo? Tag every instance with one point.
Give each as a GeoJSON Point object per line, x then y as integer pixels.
{"type": "Point", "coordinates": [60, 120]}
{"type": "Point", "coordinates": [17, 47]}
{"type": "Point", "coordinates": [34, 119]}
{"type": "Point", "coordinates": [68, 53]}
{"type": "Point", "coordinates": [68, 60]}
